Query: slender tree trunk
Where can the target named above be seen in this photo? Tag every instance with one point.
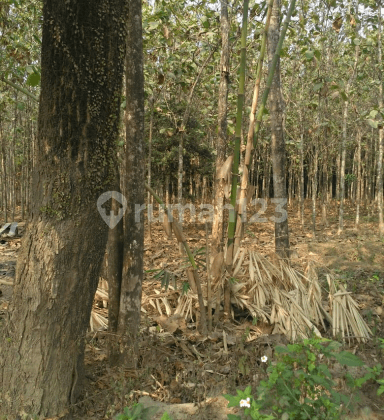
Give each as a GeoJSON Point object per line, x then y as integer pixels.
{"type": "Point", "coordinates": [324, 191]}
{"type": "Point", "coordinates": [13, 164]}
{"type": "Point", "coordinates": [42, 346]}
{"type": "Point", "coordinates": [167, 195]}
{"type": "Point", "coordinates": [4, 172]}
{"type": "Point", "coordinates": [314, 187]}
{"type": "Point", "coordinates": [302, 176]}
{"type": "Point", "coordinates": [338, 166]}
{"type": "Point", "coordinates": [182, 129]}
{"type": "Point", "coordinates": [277, 143]}
{"type": "Point", "coordinates": [342, 167]}
{"type": "Point", "coordinates": [381, 130]}
{"type": "Point", "coordinates": [149, 181]}
{"type": "Point", "coordinates": [221, 144]}
{"type": "Point", "coordinates": [358, 190]}
{"type": "Point", "coordinates": [180, 169]}
{"type": "Point", "coordinates": [132, 277]}
{"type": "Point", "coordinates": [23, 181]}
{"type": "Point", "coordinates": [344, 144]}
{"type": "Point", "coordinates": [290, 186]}
{"type": "Point", "coordinates": [112, 271]}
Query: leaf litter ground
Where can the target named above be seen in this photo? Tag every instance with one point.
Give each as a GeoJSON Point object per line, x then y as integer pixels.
{"type": "Point", "coordinates": [185, 374]}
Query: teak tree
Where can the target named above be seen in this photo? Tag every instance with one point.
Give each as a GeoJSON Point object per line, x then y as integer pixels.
{"type": "Point", "coordinates": [221, 143]}
{"type": "Point", "coordinates": [42, 345]}
{"type": "Point", "coordinates": [134, 190]}
{"type": "Point", "coordinates": [277, 140]}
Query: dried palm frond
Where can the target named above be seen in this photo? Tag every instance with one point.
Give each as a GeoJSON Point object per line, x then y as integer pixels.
{"type": "Point", "coordinates": [294, 299]}
{"type": "Point", "coordinates": [273, 292]}
{"type": "Point", "coordinates": [346, 318]}
{"type": "Point", "coordinates": [98, 322]}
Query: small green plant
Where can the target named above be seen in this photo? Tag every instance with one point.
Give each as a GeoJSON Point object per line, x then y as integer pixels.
{"type": "Point", "coordinates": [185, 287]}
{"type": "Point", "coordinates": [199, 257]}
{"type": "Point", "coordinates": [166, 277]}
{"type": "Point", "coordinates": [381, 381]}
{"type": "Point", "coordinates": [137, 412]}
{"type": "Point", "coordinates": [251, 406]}
{"type": "Point", "coordinates": [165, 416]}
{"type": "Point", "coordinates": [300, 385]}
{"type": "Point", "coordinates": [381, 388]}
{"type": "Point", "coordinates": [375, 278]}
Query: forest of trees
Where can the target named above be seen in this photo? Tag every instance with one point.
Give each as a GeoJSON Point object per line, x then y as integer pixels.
{"type": "Point", "coordinates": [74, 124]}
{"type": "Point", "coordinates": [331, 96]}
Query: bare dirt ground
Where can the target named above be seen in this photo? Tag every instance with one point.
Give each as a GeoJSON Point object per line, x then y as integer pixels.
{"type": "Point", "coordinates": [187, 375]}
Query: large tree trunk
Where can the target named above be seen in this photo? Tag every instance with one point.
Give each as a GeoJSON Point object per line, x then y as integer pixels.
{"type": "Point", "coordinates": [221, 144]}
{"type": "Point", "coordinates": [278, 144]}
{"type": "Point", "coordinates": [42, 347]}
{"type": "Point", "coordinates": [131, 288]}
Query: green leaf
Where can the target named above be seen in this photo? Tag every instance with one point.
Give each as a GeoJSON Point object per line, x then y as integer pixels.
{"type": "Point", "coordinates": [309, 55]}
{"type": "Point", "coordinates": [205, 22]}
{"type": "Point", "coordinates": [373, 113]}
{"type": "Point", "coordinates": [33, 79]}
{"type": "Point", "coordinates": [153, 25]}
{"type": "Point", "coordinates": [344, 95]}
{"type": "Point", "coordinates": [372, 123]}
{"type": "Point", "coordinates": [348, 359]}
{"type": "Point", "coordinates": [317, 54]}
{"type": "Point", "coordinates": [356, 41]}
{"type": "Point", "coordinates": [281, 349]}
{"type": "Point", "coordinates": [137, 409]}
{"type": "Point", "coordinates": [37, 39]}
{"type": "Point", "coordinates": [317, 86]}
{"type": "Point", "coordinates": [333, 345]}
{"type": "Point", "coordinates": [20, 106]}
{"type": "Point", "coordinates": [233, 400]}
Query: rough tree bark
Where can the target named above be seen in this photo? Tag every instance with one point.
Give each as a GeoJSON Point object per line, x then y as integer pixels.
{"type": "Point", "coordinates": [277, 143]}
{"type": "Point", "coordinates": [221, 143]}
{"type": "Point", "coordinates": [131, 288]}
{"type": "Point", "coordinates": [42, 345]}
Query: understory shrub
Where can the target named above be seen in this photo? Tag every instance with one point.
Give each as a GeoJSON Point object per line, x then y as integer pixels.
{"type": "Point", "coordinates": [300, 385]}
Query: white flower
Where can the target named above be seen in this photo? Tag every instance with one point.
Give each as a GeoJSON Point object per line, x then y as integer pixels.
{"type": "Point", "coordinates": [264, 359]}
{"type": "Point", "coordinates": [245, 403]}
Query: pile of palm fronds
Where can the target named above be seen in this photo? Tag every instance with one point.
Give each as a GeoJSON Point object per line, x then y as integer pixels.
{"type": "Point", "coordinates": [273, 292]}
